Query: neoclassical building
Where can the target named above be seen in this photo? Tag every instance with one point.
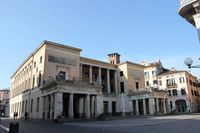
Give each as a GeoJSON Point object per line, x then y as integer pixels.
{"type": "Point", "coordinates": [56, 81]}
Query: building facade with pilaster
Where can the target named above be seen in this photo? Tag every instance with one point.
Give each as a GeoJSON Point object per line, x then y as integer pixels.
{"type": "Point", "coordinates": [4, 102]}
{"type": "Point", "coordinates": [182, 88]}
{"type": "Point", "coordinates": [55, 81]}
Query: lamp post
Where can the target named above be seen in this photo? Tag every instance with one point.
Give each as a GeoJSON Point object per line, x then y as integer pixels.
{"type": "Point", "coordinates": [188, 61]}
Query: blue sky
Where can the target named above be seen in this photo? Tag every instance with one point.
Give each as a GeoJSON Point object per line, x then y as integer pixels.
{"type": "Point", "coordinates": [139, 30]}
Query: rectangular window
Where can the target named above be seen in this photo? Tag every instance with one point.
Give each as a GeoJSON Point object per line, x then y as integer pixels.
{"type": "Point", "coordinates": [40, 59]}
{"type": "Point", "coordinates": [31, 105]}
{"type": "Point", "coordinates": [155, 82]}
{"type": "Point", "coordinates": [147, 83]}
{"type": "Point", "coordinates": [39, 79]}
{"type": "Point", "coordinates": [34, 64]}
{"type": "Point", "coordinates": [183, 93]}
{"type": "Point", "coordinates": [171, 81]}
{"type": "Point", "coordinates": [182, 80]}
{"type": "Point", "coordinates": [175, 93]}
{"type": "Point", "coordinates": [37, 106]}
{"type": "Point", "coordinates": [23, 106]}
{"type": "Point", "coordinates": [61, 75]}
{"type": "Point", "coordinates": [169, 92]}
{"type": "Point", "coordinates": [146, 74]}
{"type": "Point", "coordinates": [122, 87]}
{"type": "Point", "coordinates": [33, 84]}
{"type": "Point", "coordinates": [153, 73]}
{"type": "Point", "coordinates": [137, 86]}
{"type": "Point", "coordinates": [121, 73]}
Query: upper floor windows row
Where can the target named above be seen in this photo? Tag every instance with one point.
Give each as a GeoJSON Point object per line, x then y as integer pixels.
{"type": "Point", "coordinates": [147, 74]}
{"type": "Point", "coordinates": [62, 60]}
{"type": "Point", "coordinates": [174, 92]}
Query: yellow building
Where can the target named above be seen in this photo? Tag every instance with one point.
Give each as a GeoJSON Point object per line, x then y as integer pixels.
{"type": "Point", "coordinates": [56, 81]}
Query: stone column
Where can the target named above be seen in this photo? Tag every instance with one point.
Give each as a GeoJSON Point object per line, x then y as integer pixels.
{"type": "Point", "coordinates": [90, 74]}
{"type": "Point", "coordinates": [136, 107]}
{"type": "Point", "coordinates": [92, 106]}
{"type": "Point", "coordinates": [98, 105]}
{"type": "Point", "coordinates": [196, 18]}
{"type": "Point", "coordinates": [87, 106]}
{"type": "Point", "coordinates": [108, 80]}
{"type": "Point", "coordinates": [41, 107]}
{"type": "Point", "coordinates": [81, 106]}
{"type": "Point", "coordinates": [157, 105]}
{"type": "Point", "coordinates": [116, 91]}
{"type": "Point", "coordinates": [164, 106]}
{"type": "Point", "coordinates": [151, 106]}
{"type": "Point", "coordinates": [100, 82]}
{"type": "Point", "coordinates": [144, 107]}
{"type": "Point", "coordinates": [52, 106]}
{"type": "Point", "coordinates": [168, 104]}
{"type": "Point", "coordinates": [71, 106]}
{"type": "Point", "coordinates": [109, 106]}
{"type": "Point", "coordinates": [46, 107]}
{"type": "Point", "coordinates": [81, 72]}
{"type": "Point", "coordinates": [58, 104]}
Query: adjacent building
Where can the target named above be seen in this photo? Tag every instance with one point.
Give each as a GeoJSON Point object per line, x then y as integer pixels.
{"type": "Point", "coordinates": [190, 10]}
{"type": "Point", "coordinates": [56, 81]}
{"type": "Point", "coordinates": [4, 102]}
{"type": "Point", "coordinates": [182, 88]}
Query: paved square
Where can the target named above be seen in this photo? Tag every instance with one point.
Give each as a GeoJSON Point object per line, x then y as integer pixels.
{"type": "Point", "coordinates": [162, 124]}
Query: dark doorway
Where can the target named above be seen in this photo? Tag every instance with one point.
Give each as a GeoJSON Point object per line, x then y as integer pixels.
{"type": "Point", "coordinates": [140, 106]}
{"type": "Point", "coordinates": [181, 105]}
{"type": "Point", "coordinates": [113, 108]}
{"type": "Point", "coordinates": [66, 105]}
{"type": "Point", "coordinates": [105, 107]}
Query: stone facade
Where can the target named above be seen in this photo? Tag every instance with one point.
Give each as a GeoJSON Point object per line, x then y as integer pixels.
{"type": "Point", "coordinates": [182, 88]}
{"type": "Point", "coordinates": [55, 81]}
{"type": "Point", "coordinates": [4, 102]}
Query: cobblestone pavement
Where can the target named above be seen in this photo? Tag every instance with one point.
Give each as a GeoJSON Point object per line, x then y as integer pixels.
{"type": "Point", "coordinates": [163, 124]}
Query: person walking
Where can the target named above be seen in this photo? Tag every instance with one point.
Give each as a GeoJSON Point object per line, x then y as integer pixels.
{"type": "Point", "coordinates": [26, 115]}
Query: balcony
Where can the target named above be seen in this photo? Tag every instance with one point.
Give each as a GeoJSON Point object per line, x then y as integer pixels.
{"type": "Point", "coordinates": [187, 9]}
{"type": "Point", "coordinates": [171, 85]}
{"type": "Point", "coordinates": [78, 83]}
{"type": "Point", "coordinates": [186, 2]}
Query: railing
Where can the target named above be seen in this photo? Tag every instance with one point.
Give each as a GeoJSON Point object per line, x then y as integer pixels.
{"type": "Point", "coordinates": [185, 2]}
{"type": "Point", "coordinates": [171, 85]}
{"type": "Point", "coordinates": [70, 80]}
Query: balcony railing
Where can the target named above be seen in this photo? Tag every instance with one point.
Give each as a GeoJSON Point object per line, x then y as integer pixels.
{"type": "Point", "coordinates": [171, 85]}
{"type": "Point", "coordinates": [69, 80]}
{"type": "Point", "coordinates": [186, 2]}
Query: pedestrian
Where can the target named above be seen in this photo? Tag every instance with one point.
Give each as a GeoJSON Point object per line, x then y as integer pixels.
{"type": "Point", "coordinates": [26, 115]}
{"type": "Point", "coordinates": [16, 114]}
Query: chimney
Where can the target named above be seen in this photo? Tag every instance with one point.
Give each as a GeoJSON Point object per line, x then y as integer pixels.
{"type": "Point", "coordinates": [114, 58]}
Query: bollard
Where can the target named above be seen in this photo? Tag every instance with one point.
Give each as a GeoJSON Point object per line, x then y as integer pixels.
{"type": "Point", "coordinates": [14, 127]}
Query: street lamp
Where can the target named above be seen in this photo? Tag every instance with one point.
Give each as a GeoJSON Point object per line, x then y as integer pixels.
{"type": "Point", "coordinates": [188, 61]}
